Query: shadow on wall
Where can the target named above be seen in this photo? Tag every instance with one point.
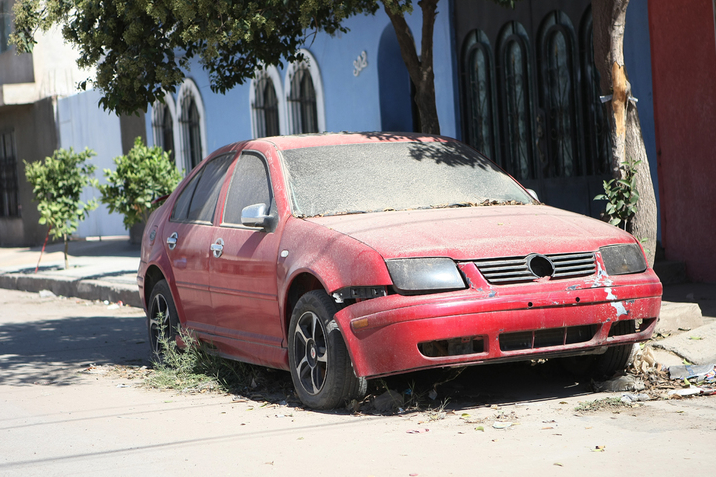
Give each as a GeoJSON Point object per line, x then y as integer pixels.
{"type": "Point", "coordinates": [393, 84]}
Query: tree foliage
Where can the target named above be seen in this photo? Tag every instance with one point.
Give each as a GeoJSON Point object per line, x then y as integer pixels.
{"type": "Point", "coordinates": [140, 177]}
{"type": "Point", "coordinates": [57, 184]}
{"type": "Point", "coordinates": [142, 48]}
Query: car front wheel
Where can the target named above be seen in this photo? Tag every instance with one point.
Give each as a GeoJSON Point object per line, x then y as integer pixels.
{"type": "Point", "coordinates": [320, 366]}
{"type": "Point", "coordinates": [614, 360]}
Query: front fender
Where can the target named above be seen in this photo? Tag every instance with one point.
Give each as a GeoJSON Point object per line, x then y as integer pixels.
{"type": "Point", "coordinates": [335, 259]}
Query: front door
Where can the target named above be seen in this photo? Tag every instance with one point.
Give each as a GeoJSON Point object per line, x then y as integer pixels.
{"type": "Point", "coordinates": [530, 97]}
{"type": "Point", "coordinates": [243, 269]}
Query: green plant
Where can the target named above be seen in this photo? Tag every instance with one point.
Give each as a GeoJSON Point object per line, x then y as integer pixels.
{"type": "Point", "coordinates": [142, 176]}
{"type": "Point", "coordinates": [621, 195]}
{"type": "Point", "coordinates": [57, 183]}
{"type": "Point", "coordinates": [192, 368]}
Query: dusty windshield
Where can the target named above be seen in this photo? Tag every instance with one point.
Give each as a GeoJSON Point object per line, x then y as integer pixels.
{"type": "Point", "coordinates": [357, 178]}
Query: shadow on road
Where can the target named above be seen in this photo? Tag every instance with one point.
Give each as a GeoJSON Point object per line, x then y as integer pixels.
{"type": "Point", "coordinates": [50, 352]}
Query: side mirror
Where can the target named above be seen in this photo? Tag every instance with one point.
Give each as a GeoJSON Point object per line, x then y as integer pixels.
{"type": "Point", "coordinates": [533, 194]}
{"type": "Point", "coordinates": [256, 216]}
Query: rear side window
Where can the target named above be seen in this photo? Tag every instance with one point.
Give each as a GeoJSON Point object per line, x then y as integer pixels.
{"type": "Point", "coordinates": [250, 185]}
{"type": "Point", "coordinates": [197, 201]}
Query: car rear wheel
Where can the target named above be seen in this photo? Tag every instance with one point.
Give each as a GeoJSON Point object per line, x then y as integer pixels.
{"type": "Point", "coordinates": [320, 366]}
{"type": "Point", "coordinates": [162, 319]}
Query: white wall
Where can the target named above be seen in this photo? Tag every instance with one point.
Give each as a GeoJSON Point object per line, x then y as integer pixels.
{"type": "Point", "coordinates": [82, 124]}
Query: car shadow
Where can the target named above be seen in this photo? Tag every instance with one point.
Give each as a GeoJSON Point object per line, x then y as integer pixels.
{"type": "Point", "coordinates": [506, 383]}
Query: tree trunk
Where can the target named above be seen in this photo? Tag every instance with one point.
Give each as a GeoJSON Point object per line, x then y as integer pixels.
{"type": "Point", "coordinates": [609, 20]}
{"type": "Point", "coordinates": [420, 68]}
{"type": "Point", "coordinates": [67, 243]}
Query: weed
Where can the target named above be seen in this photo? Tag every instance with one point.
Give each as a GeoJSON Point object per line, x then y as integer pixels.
{"type": "Point", "coordinates": [193, 368]}
{"type": "Point", "coordinates": [621, 195]}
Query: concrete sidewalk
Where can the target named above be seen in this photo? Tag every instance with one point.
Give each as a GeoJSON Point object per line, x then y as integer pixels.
{"type": "Point", "coordinates": [103, 269]}
{"type": "Point", "coordinates": [106, 269]}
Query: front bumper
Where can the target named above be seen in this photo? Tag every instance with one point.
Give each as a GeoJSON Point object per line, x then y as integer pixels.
{"type": "Point", "coordinates": [396, 334]}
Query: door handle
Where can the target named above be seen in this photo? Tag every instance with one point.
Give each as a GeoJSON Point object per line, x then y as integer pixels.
{"type": "Point", "coordinates": [218, 247]}
{"type": "Point", "coordinates": [172, 241]}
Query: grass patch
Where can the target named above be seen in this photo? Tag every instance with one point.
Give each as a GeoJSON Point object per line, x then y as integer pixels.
{"type": "Point", "coordinates": [193, 368]}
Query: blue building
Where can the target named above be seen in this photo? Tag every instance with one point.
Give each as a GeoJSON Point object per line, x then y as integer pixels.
{"type": "Point", "coordinates": [355, 81]}
{"type": "Point", "coordinates": [493, 88]}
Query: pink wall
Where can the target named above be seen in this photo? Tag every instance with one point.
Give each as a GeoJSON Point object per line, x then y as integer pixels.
{"type": "Point", "coordinates": [683, 53]}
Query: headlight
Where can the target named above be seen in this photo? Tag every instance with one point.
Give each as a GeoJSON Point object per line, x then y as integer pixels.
{"type": "Point", "coordinates": [415, 275]}
{"type": "Point", "coordinates": [623, 259]}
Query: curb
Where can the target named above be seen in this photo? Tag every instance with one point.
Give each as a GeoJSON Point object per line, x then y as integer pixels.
{"type": "Point", "coordinates": [79, 288]}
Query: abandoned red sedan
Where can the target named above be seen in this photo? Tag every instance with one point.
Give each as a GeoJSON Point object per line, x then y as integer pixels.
{"type": "Point", "coordinates": [342, 257]}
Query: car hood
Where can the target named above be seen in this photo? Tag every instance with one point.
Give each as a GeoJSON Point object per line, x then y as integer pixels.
{"type": "Point", "coordinates": [476, 232]}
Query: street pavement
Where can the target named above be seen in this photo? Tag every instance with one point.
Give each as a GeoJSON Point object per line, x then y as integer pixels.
{"type": "Point", "coordinates": [105, 269]}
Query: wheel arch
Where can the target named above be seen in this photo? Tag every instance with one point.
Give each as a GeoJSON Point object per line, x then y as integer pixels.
{"type": "Point", "coordinates": [151, 278]}
{"type": "Point", "coordinates": [300, 285]}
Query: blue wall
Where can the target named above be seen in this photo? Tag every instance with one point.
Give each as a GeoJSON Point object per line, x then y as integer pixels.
{"type": "Point", "coordinates": [352, 103]}
{"type": "Point", "coordinates": [637, 56]}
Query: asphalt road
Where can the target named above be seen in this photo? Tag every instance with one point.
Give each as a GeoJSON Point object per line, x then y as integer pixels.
{"type": "Point", "coordinates": [61, 414]}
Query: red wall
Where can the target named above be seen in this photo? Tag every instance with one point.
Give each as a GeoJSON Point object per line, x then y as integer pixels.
{"type": "Point", "coordinates": [683, 53]}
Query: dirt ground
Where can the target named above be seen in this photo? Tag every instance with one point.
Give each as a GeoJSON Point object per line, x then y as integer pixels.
{"type": "Point", "coordinates": [71, 403]}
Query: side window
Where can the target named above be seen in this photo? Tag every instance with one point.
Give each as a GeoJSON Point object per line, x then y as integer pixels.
{"type": "Point", "coordinates": [197, 201]}
{"type": "Point", "coordinates": [250, 185]}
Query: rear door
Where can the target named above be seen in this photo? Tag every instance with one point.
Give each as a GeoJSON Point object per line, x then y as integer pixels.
{"type": "Point", "coordinates": [187, 240]}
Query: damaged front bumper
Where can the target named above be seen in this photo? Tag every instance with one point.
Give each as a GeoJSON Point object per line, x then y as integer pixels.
{"type": "Point", "coordinates": [395, 334]}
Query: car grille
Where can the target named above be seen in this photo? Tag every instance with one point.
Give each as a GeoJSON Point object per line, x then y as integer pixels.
{"type": "Point", "coordinates": [516, 269]}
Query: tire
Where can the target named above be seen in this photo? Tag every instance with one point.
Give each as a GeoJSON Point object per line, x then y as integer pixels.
{"type": "Point", "coordinates": [162, 318]}
{"type": "Point", "coordinates": [320, 366]}
{"type": "Point", "coordinates": [615, 359]}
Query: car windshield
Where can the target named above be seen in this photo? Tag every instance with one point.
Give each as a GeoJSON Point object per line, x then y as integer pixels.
{"type": "Point", "coordinates": [371, 177]}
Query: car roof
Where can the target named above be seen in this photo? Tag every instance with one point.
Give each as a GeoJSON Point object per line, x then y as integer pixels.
{"type": "Point", "coordinates": [340, 138]}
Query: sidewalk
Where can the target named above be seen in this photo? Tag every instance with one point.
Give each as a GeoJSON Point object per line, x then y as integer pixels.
{"type": "Point", "coordinates": [103, 269]}
{"type": "Point", "coordinates": [106, 269]}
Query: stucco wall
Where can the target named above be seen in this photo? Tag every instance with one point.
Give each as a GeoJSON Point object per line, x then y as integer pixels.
{"type": "Point", "coordinates": [352, 103]}
{"type": "Point", "coordinates": [637, 56]}
{"type": "Point", "coordinates": [35, 139]}
{"type": "Point", "coordinates": [683, 50]}
{"type": "Point", "coordinates": [82, 124]}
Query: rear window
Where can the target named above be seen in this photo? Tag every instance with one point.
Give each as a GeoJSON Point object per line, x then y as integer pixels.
{"type": "Point", "coordinates": [197, 202]}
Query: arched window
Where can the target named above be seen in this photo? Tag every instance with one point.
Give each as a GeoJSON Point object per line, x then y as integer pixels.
{"type": "Point", "coordinates": [191, 125]}
{"type": "Point", "coordinates": [163, 118]}
{"type": "Point", "coordinates": [266, 105]}
{"type": "Point", "coordinates": [559, 95]}
{"type": "Point", "coordinates": [597, 144]}
{"type": "Point", "coordinates": [302, 101]}
{"type": "Point", "coordinates": [477, 63]}
{"type": "Point", "coordinates": [305, 96]}
{"type": "Point", "coordinates": [515, 101]}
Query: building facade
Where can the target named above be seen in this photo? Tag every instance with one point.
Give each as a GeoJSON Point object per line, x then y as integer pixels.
{"type": "Point", "coordinates": [517, 84]}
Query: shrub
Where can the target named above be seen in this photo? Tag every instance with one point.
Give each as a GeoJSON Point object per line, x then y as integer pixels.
{"type": "Point", "coordinates": [143, 175]}
{"type": "Point", "coordinates": [57, 183]}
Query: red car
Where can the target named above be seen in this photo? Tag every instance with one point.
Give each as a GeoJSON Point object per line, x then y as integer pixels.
{"type": "Point", "coordinates": [344, 257]}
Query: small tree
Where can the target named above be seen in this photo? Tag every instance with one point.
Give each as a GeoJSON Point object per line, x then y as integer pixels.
{"type": "Point", "coordinates": [57, 184]}
{"type": "Point", "coordinates": [142, 176]}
